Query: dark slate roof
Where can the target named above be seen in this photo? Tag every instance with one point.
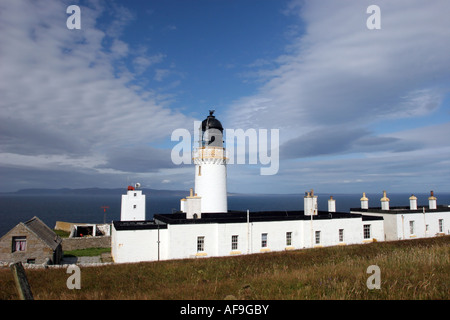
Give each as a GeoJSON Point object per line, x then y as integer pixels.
{"type": "Point", "coordinates": [160, 221]}
{"type": "Point", "coordinates": [241, 216]}
{"type": "Point", "coordinates": [42, 231]}
{"type": "Point", "coordinates": [138, 225]}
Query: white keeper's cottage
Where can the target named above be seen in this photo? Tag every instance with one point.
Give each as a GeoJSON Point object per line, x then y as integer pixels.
{"type": "Point", "coordinates": [205, 228]}
{"type": "Point", "coordinates": [413, 221]}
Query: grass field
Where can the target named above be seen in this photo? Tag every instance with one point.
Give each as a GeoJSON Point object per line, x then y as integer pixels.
{"type": "Point", "coordinates": [90, 252]}
{"type": "Point", "coordinates": [412, 269]}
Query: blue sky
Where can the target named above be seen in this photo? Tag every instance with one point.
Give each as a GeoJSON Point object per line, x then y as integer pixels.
{"type": "Point", "coordinates": [358, 110]}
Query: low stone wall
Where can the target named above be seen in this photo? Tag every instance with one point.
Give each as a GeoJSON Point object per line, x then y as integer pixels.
{"type": "Point", "coordinates": [69, 244]}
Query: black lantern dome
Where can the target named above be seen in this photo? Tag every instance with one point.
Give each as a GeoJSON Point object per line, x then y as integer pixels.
{"type": "Point", "coordinates": [211, 122]}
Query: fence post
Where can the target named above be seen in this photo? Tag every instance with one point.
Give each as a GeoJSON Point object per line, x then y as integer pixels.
{"type": "Point", "coordinates": [22, 285]}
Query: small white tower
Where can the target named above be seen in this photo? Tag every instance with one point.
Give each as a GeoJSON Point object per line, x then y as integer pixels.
{"type": "Point", "coordinates": [133, 204]}
{"type": "Point", "coordinates": [384, 202]}
{"type": "Point", "coordinates": [193, 206]}
{"type": "Point", "coordinates": [211, 166]}
{"type": "Point", "coordinates": [331, 204]}
{"type": "Point", "coordinates": [310, 203]}
{"type": "Point", "coordinates": [413, 202]}
{"type": "Point", "coordinates": [432, 201]}
{"type": "Point", "coordinates": [364, 201]}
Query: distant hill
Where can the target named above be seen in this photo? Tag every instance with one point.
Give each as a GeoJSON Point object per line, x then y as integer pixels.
{"type": "Point", "coordinates": [95, 191]}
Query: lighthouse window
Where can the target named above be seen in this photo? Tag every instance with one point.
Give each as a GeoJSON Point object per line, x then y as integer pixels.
{"type": "Point", "coordinates": [199, 170]}
{"type": "Point", "coordinates": [441, 225]}
{"type": "Point", "coordinates": [234, 242]}
{"type": "Point", "coordinates": [134, 206]}
{"type": "Point", "coordinates": [264, 240]}
{"type": "Point", "coordinates": [200, 244]}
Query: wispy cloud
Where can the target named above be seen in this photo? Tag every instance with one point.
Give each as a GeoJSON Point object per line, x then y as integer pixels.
{"type": "Point", "coordinates": [142, 63]}
{"type": "Point", "coordinates": [340, 85]}
{"type": "Point", "coordinates": [161, 74]}
{"type": "Point", "coordinates": [354, 106]}
{"type": "Point", "coordinates": [63, 107]}
{"type": "Point", "coordinates": [341, 72]}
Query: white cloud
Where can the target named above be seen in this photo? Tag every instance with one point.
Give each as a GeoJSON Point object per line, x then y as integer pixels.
{"type": "Point", "coordinates": [71, 108]}
{"type": "Point", "coordinates": [161, 74]}
{"type": "Point", "coordinates": [339, 82]}
{"type": "Point", "coordinates": [119, 48]}
{"type": "Point", "coordinates": [341, 72]}
{"type": "Point", "coordinates": [62, 104]}
{"type": "Point", "coordinates": [142, 63]}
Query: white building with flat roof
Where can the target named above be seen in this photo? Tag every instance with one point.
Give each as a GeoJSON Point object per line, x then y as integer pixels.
{"type": "Point", "coordinates": [401, 223]}
{"type": "Point", "coordinates": [174, 236]}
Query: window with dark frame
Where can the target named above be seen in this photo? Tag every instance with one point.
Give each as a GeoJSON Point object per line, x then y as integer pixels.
{"type": "Point", "coordinates": [411, 227]}
{"type": "Point", "coordinates": [200, 244]}
{"type": "Point", "coordinates": [317, 237]}
{"type": "Point", "coordinates": [288, 238]}
{"type": "Point", "coordinates": [19, 243]}
{"type": "Point", "coordinates": [264, 240]}
{"type": "Point", "coordinates": [234, 242]}
{"type": "Point", "coordinates": [341, 235]}
{"type": "Point", "coordinates": [367, 231]}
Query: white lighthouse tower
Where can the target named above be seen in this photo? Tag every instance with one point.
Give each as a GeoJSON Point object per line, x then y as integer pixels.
{"type": "Point", "coordinates": [211, 166]}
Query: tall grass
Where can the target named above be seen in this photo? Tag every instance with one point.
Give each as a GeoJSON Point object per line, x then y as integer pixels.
{"type": "Point", "coordinates": [412, 269]}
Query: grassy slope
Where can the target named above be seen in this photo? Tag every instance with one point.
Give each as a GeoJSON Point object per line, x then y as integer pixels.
{"type": "Point", "coordinates": [412, 269]}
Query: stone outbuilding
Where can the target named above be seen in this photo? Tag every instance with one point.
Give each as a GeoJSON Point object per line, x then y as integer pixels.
{"type": "Point", "coordinates": [31, 242]}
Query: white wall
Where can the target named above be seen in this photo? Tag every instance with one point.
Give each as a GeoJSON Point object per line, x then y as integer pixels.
{"type": "Point", "coordinates": [397, 225]}
{"type": "Point", "coordinates": [179, 241]}
{"type": "Point", "coordinates": [376, 230]}
{"type": "Point", "coordinates": [133, 206]}
{"type": "Point", "coordinates": [138, 245]}
{"type": "Point", "coordinates": [329, 232]}
{"type": "Point", "coordinates": [211, 184]}
{"type": "Point", "coordinates": [420, 222]}
{"type": "Point", "coordinates": [182, 242]}
{"type": "Point", "coordinates": [225, 232]}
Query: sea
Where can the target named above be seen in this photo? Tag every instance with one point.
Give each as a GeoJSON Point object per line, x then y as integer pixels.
{"type": "Point", "coordinates": [16, 208]}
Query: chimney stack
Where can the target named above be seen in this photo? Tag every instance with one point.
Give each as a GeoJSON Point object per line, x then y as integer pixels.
{"type": "Point", "coordinates": [432, 201]}
{"type": "Point", "coordinates": [310, 203]}
{"type": "Point", "coordinates": [413, 202]}
{"type": "Point", "coordinates": [364, 201]}
{"type": "Point", "coordinates": [384, 202]}
{"type": "Point", "coordinates": [331, 204]}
